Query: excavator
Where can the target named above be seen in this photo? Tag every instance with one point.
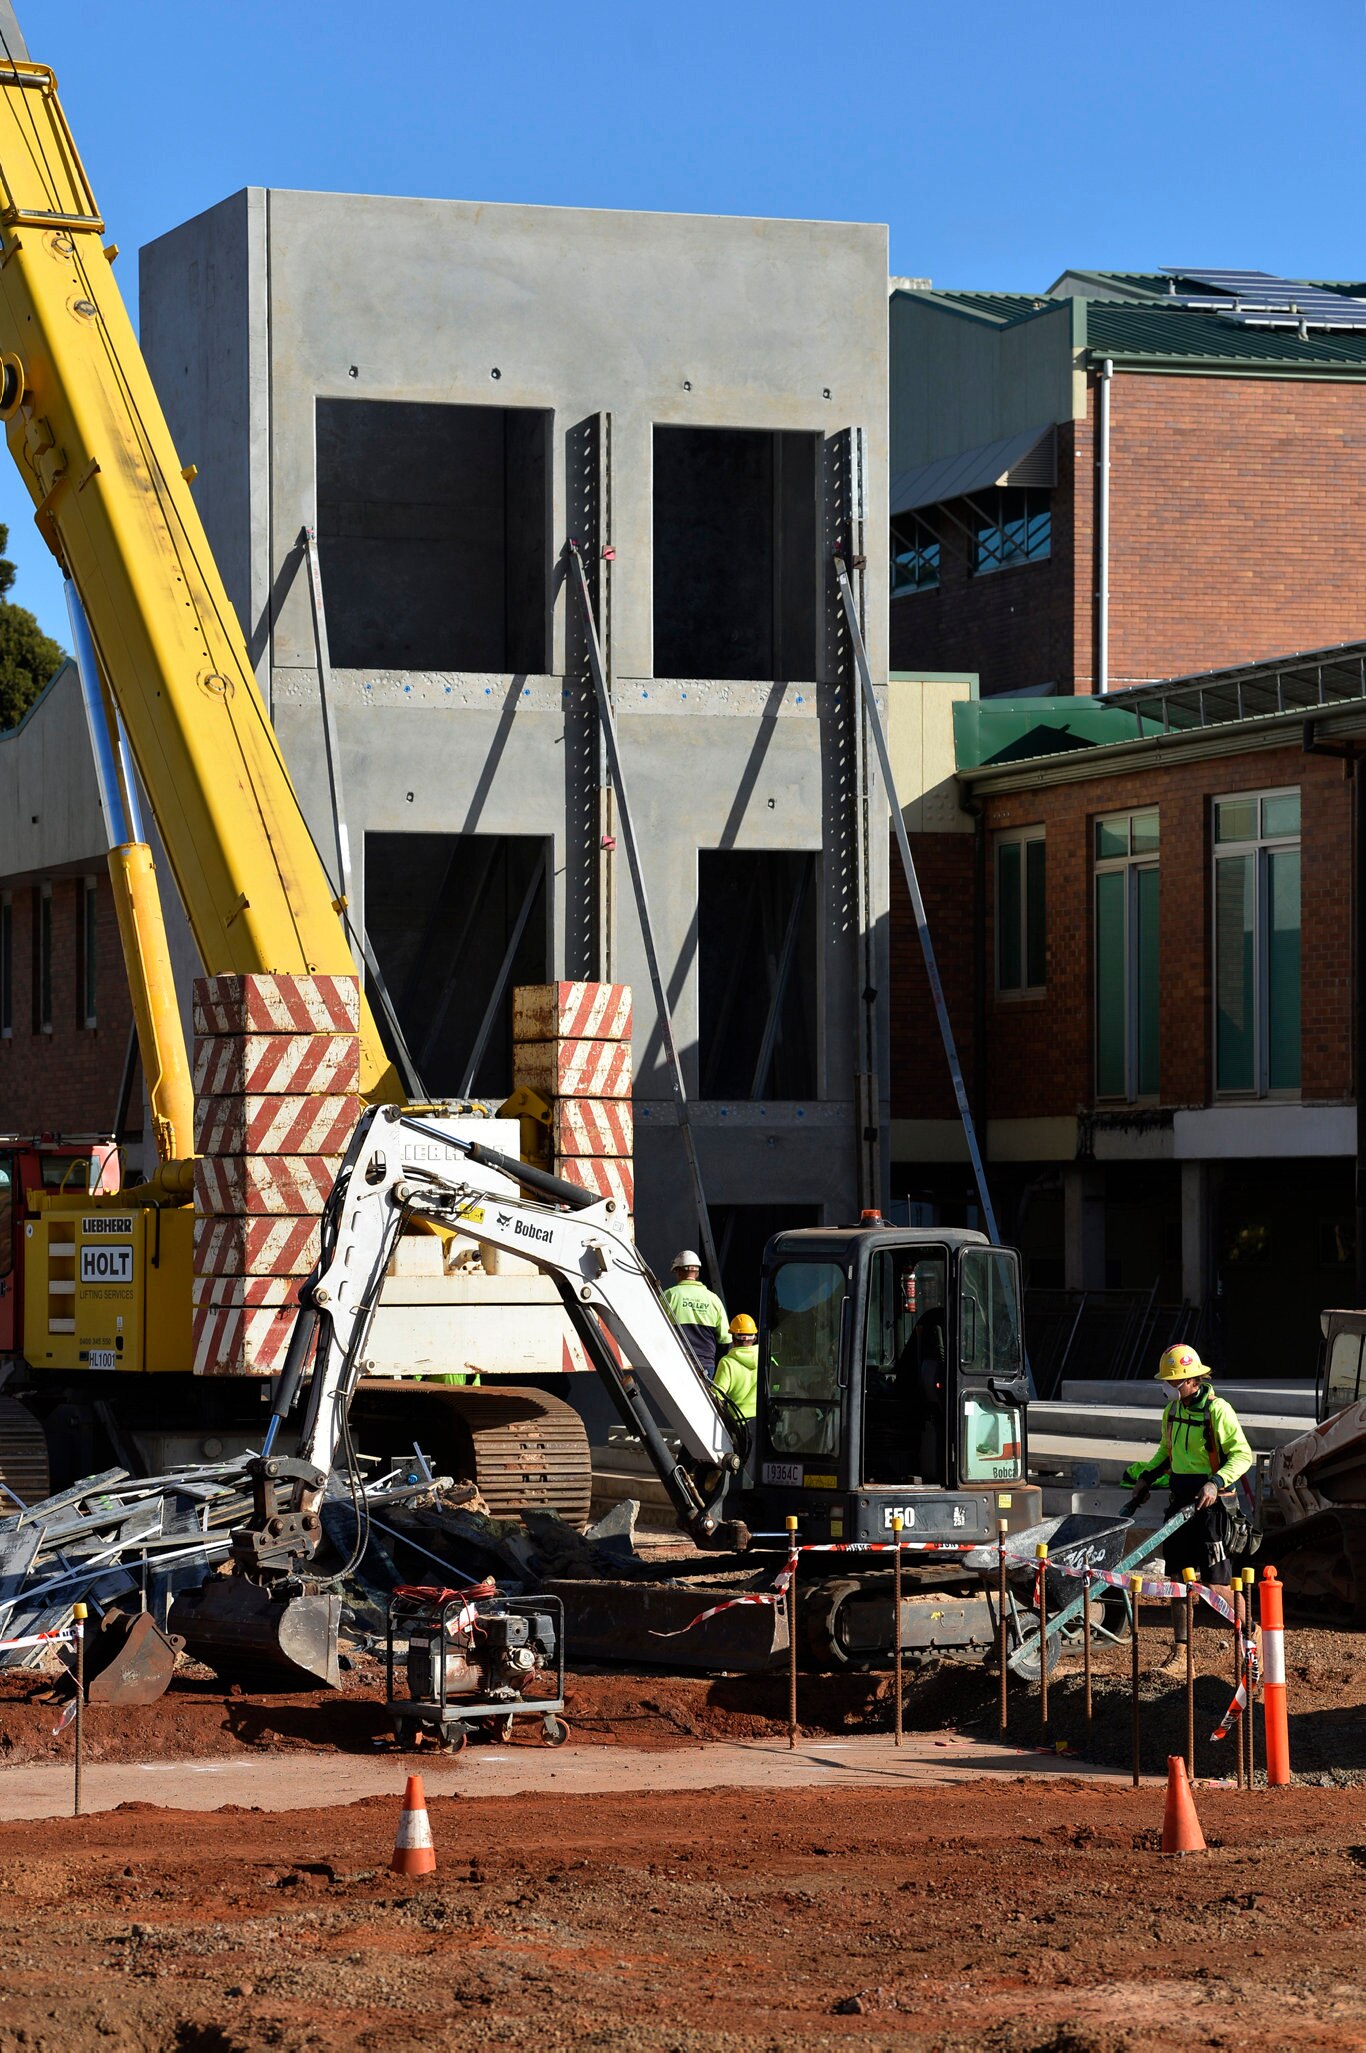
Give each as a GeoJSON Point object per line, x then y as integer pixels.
{"type": "Point", "coordinates": [892, 1386]}
{"type": "Point", "coordinates": [894, 1380]}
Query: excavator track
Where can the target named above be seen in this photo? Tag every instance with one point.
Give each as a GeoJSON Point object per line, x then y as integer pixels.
{"type": "Point", "coordinates": [24, 1472]}
{"type": "Point", "coordinates": [520, 1447]}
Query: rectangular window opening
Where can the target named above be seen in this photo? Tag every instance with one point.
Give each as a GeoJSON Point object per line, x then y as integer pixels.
{"type": "Point", "coordinates": [1021, 902]}
{"type": "Point", "coordinates": [1127, 956]}
{"type": "Point", "coordinates": [1257, 943]}
{"type": "Point", "coordinates": [42, 958]}
{"type": "Point", "coordinates": [87, 952]}
{"type": "Point", "coordinates": [915, 555]}
{"type": "Point", "coordinates": [455, 922]}
{"type": "Point", "coordinates": [6, 965]}
{"type": "Point", "coordinates": [434, 535]}
{"type": "Point", "coordinates": [757, 973]}
{"type": "Point", "coordinates": [736, 582]}
{"type": "Point", "coordinates": [1010, 524]}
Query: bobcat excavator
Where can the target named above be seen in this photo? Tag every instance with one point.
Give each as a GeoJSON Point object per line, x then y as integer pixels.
{"type": "Point", "coordinates": [892, 1383]}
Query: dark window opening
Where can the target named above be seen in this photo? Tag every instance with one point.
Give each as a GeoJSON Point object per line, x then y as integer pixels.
{"type": "Point", "coordinates": [87, 951]}
{"type": "Point", "coordinates": [757, 973]}
{"type": "Point", "coordinates": [735, 571]}
{"type": "Point", "coordinates": [6, 964]}
{"type": "Point", "coordinates": [740, 1233]}
{"type": "Point", "coordinates": [455, 921]}
{"type": "Point", "coordinates": [42, 958]}
{"type": "Point", "coordinates": [1010, 524]}
{"type": "Point", "coordinates": [434, 535]}
{"type": "Point", "coordinates": [915, 555]}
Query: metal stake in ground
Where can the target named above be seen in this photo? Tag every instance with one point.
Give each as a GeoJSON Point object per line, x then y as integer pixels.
{"type": "Point", "coordinates": [1238, 1615]}
{"type": "Point", "coordinates": [791, 1632]}
{"type": "Point", "coordinates": [1041, 1556]}
{"type": "Point", "coordinates": [1250, 1738]}
{"type": "Point", "coordinates": [1188, 1578]}
{"type": "Point", "coordinates": [896, 1625]}
{"type": "Point", "coordinates": [79, 1614]}
{"type": "Point", "coordinates": [1086, 1649]}
{"type": "Point", "coordinates": [1135, 1595]}
{"type": "Point", "coordinates": [1001, 1632]}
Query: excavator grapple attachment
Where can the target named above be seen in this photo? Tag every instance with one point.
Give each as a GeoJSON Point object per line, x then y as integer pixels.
{"type": "Point", "coordinates": [246, 1631]}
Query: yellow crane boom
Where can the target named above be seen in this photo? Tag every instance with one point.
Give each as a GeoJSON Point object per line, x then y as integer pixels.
{"type": "Point", "coordinates": [87, 431]}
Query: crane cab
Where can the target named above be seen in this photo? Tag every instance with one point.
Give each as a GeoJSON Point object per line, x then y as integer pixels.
{"type": "Point", "coordinates": [892, 1379]}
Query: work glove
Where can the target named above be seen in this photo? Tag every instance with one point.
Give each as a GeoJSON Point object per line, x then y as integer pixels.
{"type": "Point", "coordinates": [1135, 1472]}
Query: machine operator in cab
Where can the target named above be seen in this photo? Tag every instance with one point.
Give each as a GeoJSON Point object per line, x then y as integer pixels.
{"type": "Point", "coordinates": [1201, 1454]}
{"type": "Point", "coordinates": [697, 1312]}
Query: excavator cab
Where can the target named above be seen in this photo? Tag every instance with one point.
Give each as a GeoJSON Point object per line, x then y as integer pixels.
{"type": "Point", "coordinates": [892, 1379]}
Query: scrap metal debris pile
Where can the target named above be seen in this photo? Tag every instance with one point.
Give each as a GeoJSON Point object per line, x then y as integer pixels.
{"type": "Point", "coordinates": [126, 1546]}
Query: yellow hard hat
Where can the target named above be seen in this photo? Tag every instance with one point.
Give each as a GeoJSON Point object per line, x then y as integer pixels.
{"type": "Point", "coordinates": [1179, 1363]}
{"type": "Point", "coordinates": [743, 1326]}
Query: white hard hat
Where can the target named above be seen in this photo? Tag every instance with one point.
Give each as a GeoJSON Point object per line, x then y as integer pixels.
{"type": "Point", "coordinates": [687, 1258]}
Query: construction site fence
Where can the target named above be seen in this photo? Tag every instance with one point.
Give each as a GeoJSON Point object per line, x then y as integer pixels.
{"type": "Point", "coordinates": [1103, 1333]}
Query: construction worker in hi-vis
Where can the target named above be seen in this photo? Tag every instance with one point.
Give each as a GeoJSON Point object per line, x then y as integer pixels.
{"type": "Point", "coordinates": [697, 1312]}
{"type": "Point", "coordinates": [1201, 1454]}
{"type": "Point", "coordinates": [737, 1373]}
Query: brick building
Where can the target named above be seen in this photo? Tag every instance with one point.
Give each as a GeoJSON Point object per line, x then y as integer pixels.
{"type": "Point", "coordinates": [1150, 930]}
{"type": "Point", "coordinates": [1224, 423]}
{"type": "Point", "coordinates": [67, 1056]}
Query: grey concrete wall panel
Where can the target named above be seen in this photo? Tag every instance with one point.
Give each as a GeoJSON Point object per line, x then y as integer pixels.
{"type": "Point", "coordinates": [609, 326]}
{"type": "Point", "coordinates": [957, 382]}
{"type": "Point", "coordinates": [203, 311]}
{"type": "Point", "coordinates": [50, 818]}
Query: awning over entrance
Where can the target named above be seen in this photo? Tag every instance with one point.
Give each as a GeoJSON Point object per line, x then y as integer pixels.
{"type": "Point", "coordinates": [1030, 458]}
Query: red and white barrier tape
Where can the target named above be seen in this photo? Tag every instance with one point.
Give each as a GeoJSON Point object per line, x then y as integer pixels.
{"type": "Point", "coordinates": [40, 1639]}
{"type": "Point", "coordinates": [1148, 1586]}
{"type": "Point", "coordinates": [1253, 1668]}
{"type": "Point", "coordinates": [774, 1596]}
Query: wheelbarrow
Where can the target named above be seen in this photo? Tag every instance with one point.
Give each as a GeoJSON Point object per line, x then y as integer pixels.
{"type": "Point", "coordinates": [1078, 1540]}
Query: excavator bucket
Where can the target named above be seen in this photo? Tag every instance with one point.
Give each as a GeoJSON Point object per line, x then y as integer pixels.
{"type": "Point", "coordinates": [129, 1659]}
{"type": "Point", "coordinates": [245, 1633]}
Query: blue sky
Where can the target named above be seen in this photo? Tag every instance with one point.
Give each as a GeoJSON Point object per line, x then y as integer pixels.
{"type": "Point", "coordinates": [1000, 143]}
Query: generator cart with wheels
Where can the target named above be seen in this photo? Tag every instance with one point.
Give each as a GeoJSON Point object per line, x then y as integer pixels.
{"type": "Point", "coordinates": [470, 1657]}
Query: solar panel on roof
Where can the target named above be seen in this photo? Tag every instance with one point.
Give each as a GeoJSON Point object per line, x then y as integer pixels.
{"type": "Point", "coordinates": [1259, 299]}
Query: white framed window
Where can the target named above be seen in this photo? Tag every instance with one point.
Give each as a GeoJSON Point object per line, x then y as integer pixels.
{"type": "Point", "coordinates": [1021, 913]}
{"type": "Point", "coordinates": [1128, 1014]}
{"type": "Point", "coordinates": [1256, 891]}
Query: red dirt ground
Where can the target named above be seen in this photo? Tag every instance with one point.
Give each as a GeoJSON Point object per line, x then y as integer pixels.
{"type": "Point", "coordinates": [1010, 1916]}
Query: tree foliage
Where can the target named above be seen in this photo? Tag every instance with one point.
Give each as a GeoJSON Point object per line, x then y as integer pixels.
{"type": "Point", "coordinates": [29, 659]}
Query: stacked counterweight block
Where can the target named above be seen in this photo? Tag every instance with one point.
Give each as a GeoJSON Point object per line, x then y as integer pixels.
{"type": "Point", "coordinates": [572, 1043]}
{"type": "Point", "coordinates": [276, 1079]}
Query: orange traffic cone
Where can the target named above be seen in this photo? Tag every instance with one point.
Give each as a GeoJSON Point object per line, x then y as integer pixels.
{"type": "Point", "coordinates": [414, 1853]}
{"type": "Point", "coordinates": [1180, 1827]}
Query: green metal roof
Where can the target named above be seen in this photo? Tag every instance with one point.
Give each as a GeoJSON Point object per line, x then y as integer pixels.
{"type": "Point", "coordinates": [1002, 307]}
{"type": "Point", "coordinates": [1129, 330]}
{"type": "Point", "coordinates": [1006, 730]}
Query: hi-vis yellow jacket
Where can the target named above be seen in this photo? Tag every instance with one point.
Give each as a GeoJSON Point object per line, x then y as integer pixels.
{"type": "Point", "coordinates": [1202, 1438]}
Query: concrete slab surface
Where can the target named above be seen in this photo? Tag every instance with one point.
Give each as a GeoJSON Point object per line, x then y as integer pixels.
{"type": "Point", "coordinates": [277, 1782]}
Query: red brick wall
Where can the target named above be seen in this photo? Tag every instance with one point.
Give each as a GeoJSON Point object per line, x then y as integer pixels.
{"type": "Point", "coordinates": [1237, 525]}
{"type": "Point", "coordinates": [1039, 1051]}
{"type": "Point", "coordinates": [920, 1075]}
{"type": "Point", "coordinates": [66, 1081]}
{"type": "Point", "coordinates": [1237, 522]}
{"type": "Point", "coordinates": [1014, 627]}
